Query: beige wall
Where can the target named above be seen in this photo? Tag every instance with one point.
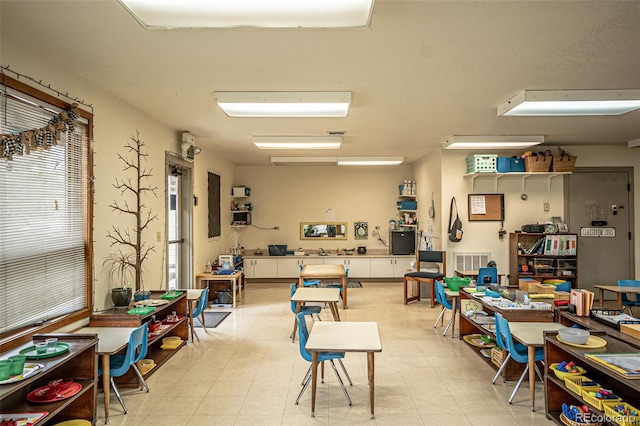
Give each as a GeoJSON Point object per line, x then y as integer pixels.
{"type": "Point", "coordinates": [114, 123]}
{"type": "Point", "coordinates": [285, 195]}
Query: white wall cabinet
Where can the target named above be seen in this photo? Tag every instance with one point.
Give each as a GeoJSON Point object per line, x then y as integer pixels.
{"type": "Point", "coordinates": [261, 268]}
{"type": "Point", "coordinates": [390, 267]}
{"type": "Point", "coordinates": [290, 268]}
{"type": "Point", "coordinates": [358, 268]}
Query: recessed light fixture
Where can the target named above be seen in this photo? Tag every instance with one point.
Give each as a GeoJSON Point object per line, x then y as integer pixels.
{"type": "Point", "coordinates": [168, 14]}
{"type": "Point", "coordinates": [340, 161]}
{"type": "Point", "coordinates": [370, 161]}
{"type": "Point", "coordinates": [571, 102]}
{"type": "Point", "coordinates": [284, 104]}
{"type": "Point", "coordinates": [492, 142]}
{"type": "Point", "coordinates": [304, 161]}
{"type": "Point", "coordinates": [297, 142]}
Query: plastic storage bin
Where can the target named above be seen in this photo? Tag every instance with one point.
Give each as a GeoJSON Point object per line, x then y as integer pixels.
{"type": "Point", "coordinates": [509, 164]}
{"type": "Point", "coordinates": [482, 163]}
{"type": "Point", "coordinates": [407, 205]}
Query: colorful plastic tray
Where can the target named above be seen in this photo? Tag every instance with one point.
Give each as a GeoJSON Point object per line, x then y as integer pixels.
{"type": "Point", "coordinates": [52, 393]}
{"type": "Point", "coordinates": [141, 310]}
{"type": "Point", "coordinates": [170, 295]}
{"type": "Point", "coordinates": [593, 342]}
{"type": "Point", "coordinates": [23, 419]}
{"type": "Point", "coordinates": [30, 369]}
{"type": "Point", "coordinates": [31, 353]}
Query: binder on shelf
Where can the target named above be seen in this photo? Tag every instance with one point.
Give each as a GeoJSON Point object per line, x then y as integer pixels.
{"type": "Point", "coordinates": [582, 300]}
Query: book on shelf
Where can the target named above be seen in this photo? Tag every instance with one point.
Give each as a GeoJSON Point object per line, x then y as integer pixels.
{"type": "Point", "coordinates": [560, 245]}
{"type": "Point", "coordinates": [625, 364]}
{"type": "Point", "coordinates": [582, 300]}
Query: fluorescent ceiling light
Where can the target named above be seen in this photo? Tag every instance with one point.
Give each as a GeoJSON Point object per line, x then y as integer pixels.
{"type": "Point", "coordinates": [297, 142]}
{"type": "Point", "coordinates": [571, 102]}
{"type": "Point", "coordinates": [370, 161]}
{"type": "Point", "coordinates": [304, 161]}
{"type": "Point", "coordinates": [250, 13]}
{"type": "Point", "coordinates": [491, 142]}
{"type": "Point", "coordinates": [633, 143]}
{"type": "Point", "coordinates": [284, 104]}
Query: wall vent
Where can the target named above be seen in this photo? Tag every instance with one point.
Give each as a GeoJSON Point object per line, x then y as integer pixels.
{"type": "Point", "coordinates": [470, 261]}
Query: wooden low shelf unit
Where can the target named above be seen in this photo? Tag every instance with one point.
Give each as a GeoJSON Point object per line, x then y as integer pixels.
{"type": "Point", "coordinates": [513, 370]}
{"type": "Point", "coordinates": [79, 363]}
{"type": "Point", "coordinates": [119, 318]}
{"type": "Point", "coordinates": [556, 392]}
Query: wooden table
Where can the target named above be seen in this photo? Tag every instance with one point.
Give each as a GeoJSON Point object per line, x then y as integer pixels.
{"type": "Point", "coordinates": [619, 290]}
{"type": "Point", "coordinates": [236, 277]}
{"type": "Point", "coordinates": [343, 336]}
{"type": "Point", "coordinates": [531, 334]}
{"type": "Point", "coordinates": [318, 272]}
{"type": "Point", "coordinates": [111, 340]}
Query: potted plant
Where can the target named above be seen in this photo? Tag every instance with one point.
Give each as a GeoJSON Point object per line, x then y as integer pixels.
{"type": "Point", "coordinates": [121, 267]}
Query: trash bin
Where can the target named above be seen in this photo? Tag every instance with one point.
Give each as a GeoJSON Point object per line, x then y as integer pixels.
{"type": "Point", "coordinates": [224, 297]}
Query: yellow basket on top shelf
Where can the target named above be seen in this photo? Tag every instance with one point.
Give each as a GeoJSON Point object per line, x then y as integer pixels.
{"type": "Point", "coordinates": [539, 163]}
{"type": "Point", "coordinates": [563, 163]}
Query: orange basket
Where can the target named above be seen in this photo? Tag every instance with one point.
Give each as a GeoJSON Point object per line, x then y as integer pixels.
{"type": "Point", "coordinates": [538, 163]}
{"type": "Point", "coordinates": [563, 163]}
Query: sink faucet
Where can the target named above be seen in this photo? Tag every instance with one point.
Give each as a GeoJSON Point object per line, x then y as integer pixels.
{"type": "Point", "coordinates": [321, 250]}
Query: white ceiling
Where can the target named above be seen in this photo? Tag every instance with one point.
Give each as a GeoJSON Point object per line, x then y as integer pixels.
{"type": "Point", "coordinates": [423, 70]}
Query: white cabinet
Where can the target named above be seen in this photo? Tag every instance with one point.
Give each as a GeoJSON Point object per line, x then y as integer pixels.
{"type": "Point", "coordinates": [358, 268]}
{"type": "Point", "coordinates": [390, 267]}
{"type": "Point", "coordinates": [290, 268]}
{"type": "Point", "coordinates": [261, 268]}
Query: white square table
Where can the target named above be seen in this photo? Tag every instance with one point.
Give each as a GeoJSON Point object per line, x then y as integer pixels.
{"type": "Point", "coordinates": [111, 340]}
{"type": "Point", "coordinates": [343, 336]}
{"type": "Point", "coordinates": [531, 334]}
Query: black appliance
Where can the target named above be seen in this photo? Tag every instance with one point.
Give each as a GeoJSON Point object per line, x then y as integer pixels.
{"type": "Point", "coordinates": [403, 242]}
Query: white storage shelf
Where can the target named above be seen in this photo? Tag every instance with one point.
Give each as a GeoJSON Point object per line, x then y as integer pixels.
{"type": "Point", "coordinates": [519, 175]}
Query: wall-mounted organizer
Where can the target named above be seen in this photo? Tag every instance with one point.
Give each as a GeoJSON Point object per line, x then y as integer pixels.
{"type": "Point", "coordinates": [240, 206]}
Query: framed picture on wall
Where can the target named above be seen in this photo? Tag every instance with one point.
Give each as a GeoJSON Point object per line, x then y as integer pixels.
{"type": "Point", "coordinates": [361, 230]}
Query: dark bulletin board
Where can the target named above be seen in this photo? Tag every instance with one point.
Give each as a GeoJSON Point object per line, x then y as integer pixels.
{"type": "Point", "coordinates": [486, 207]}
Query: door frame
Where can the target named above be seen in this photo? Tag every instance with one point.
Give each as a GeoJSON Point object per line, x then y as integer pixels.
{"type": "Point", "coordinates": [630, 207]}
{"type": "Point", "coordinates": [186, 202]}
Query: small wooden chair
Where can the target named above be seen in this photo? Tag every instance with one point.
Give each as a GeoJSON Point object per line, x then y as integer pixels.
{"type": "Point", "coordinates": [424, 276]}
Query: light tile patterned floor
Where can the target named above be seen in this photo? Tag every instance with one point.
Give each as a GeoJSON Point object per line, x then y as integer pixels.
{"type": "Point", "coordinates": [247, 372]}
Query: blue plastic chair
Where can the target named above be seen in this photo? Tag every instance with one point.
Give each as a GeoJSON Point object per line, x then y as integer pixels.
{"type": "Point", "coordinates": [198, 312]}
{"type": "Point", "coordinates": [626, 302]}
{"type": "Point", "coordinates": [487, 275]}
{"type": "Point", "coordinates": [322, 356]}
{"type": "Point", "coordinates": [518, 352]}
{"type": "Point", "coordinates": [306, 309]}
{"type": "Point", "coordinates": [441, 298]}
{"type": "Point", "coordinates": [120, 364]}
{"type": "Point", "coordinates": [501, 343]}
{"type": "Point", "coordinates": [309, 283]}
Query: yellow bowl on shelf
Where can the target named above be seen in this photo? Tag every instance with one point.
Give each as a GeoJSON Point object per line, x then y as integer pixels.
{"type": "Point", "coordinates": [562, 374]}
{"type": "Point", "coordinates": [171, 342]}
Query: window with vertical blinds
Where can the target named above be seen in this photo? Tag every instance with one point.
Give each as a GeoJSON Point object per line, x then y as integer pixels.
{"type": "Point", "coordinates": [43, 220]}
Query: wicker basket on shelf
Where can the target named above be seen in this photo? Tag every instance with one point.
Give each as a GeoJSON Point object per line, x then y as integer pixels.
{"type": "Point", "coordinates": [563, 163]}
{"type": "Point", "coordinates": [538, 163]}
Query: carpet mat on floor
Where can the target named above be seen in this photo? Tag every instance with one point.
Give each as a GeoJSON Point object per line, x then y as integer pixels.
{"type": "Point", "coordinates": [350, 284]}
{"type": "Point", "coordinates": [211, 319]}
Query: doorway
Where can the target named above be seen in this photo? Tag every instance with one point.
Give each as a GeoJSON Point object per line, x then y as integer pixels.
{"type": "Point", "coordinates": [179, 246]}
{"type": "Point", "coordinates": [599, 208]}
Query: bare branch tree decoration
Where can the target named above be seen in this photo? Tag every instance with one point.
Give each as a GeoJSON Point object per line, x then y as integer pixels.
{"type": "Point", "coordinates": [138, 187]}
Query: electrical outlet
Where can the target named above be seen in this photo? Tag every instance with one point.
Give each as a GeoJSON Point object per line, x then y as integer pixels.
{"type": "Point", "coordinates": [546, 207]}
